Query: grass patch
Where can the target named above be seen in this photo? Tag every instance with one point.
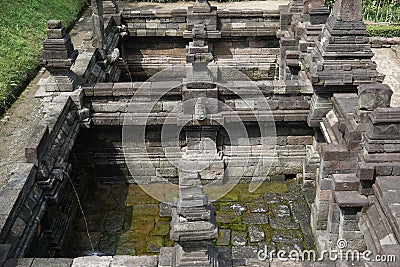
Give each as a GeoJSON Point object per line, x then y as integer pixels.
{"type": "Point", "coordinates": [383, 30]}
{"type": "Point", "coordinates": [22, 30]}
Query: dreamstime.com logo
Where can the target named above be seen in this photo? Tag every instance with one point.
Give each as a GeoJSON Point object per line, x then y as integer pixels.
{"type": "Point", "coordinates": [341, 254]}
{"type": "Point", "coordinates": [166, 101]}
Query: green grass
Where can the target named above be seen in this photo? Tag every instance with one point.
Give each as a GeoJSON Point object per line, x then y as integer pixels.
{"type": "Point", "coordinates": [22, 30]}
{"type": "Point", "coordinates": [383, 30]}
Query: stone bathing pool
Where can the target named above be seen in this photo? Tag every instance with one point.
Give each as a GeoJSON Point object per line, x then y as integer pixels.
{"type": "Point", "coordinates": [330, 112]}
{"type": "Point", "coordinates": [123, 219]}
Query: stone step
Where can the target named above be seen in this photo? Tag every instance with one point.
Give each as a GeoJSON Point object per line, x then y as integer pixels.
{"type": "Point", "coordinates": [369, 239]}
{"type": "Point", "coordinates": [391, 250]}
{"type": "Point", "coordinates": [194, 258]}
{"type": "Point", "coordinates": [377, 230]}
{"type": "Point", "coordinates": [385, 229]}
{"type": "Point", "coordinates": [350, 199]}
{"type": "Point", "coordinates": [345, 182]}
{"type": "Point", "coordinates": [312, 155]}
{"type": "Point", "coordinates": [386, 190]}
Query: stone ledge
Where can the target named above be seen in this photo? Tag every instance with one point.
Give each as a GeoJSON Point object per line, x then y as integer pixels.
{"type": "Point", "coordinates": [89, 261]}
{"type": "Point", "coordinates": [349, 199]}
{"type": "Point", "coordinates": [345, 182]}
{"type": "Point", "coordinates": [12, 196]}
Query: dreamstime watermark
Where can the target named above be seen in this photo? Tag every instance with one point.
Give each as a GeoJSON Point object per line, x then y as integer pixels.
{"type": "Point", "coordinates": [341, 254]}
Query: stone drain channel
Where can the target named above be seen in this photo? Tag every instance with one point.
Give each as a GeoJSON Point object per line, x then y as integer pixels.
{"type": "Point", "coordinates": [124, 220]}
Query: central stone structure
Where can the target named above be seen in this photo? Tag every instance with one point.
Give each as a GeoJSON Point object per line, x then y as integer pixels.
{"type": "Point", "coordinates": [335, 135]}
{"type": "Point", "coordinates": [193, 225]}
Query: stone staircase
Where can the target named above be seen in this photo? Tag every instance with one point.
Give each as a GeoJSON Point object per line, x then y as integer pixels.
{"type": "Point", "coordinates": [379, 222]}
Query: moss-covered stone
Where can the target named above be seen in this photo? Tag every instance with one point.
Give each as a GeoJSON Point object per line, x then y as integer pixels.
{"type": "Point", "coordinates": [145, 210]}
{"type": "Point", "coordinates": [236, 207]}
{"type": "Point", "coordinates": [268, 232]}
{"type": "Point", "coordinates": [248, 197]}
{"type": "Point", "coordinates": [223, 225]}
{"type": "Point", "coordinates": [146, 232]}
{"type": "Point", "coordinates": [168, 242]}
{"type": "Point", "coordinates": [154, 243]}
{"type": "Point", "coordinates": [136, 196]}
{"type": "Point", "coordinates": [224, 237]}
{"type": "Point", "coordinates": [229, 197]}
{"type": "Point", "coordinates": [275, 187]}
{"type": "Point", "coordinates": [130, 236]}
{"type": "Point", "coordinates": [126, 249]}
{"type": "Point", "coordinates": [143, 223]}
{"type": "Point", "coordinates": [259, 207]}
{"type": "Point", "coordinates": [228, 217]}
{"type": "Point", "coordinates": [161, 228]}
{"type": "Point", "coordinates": [238, 226]}
{"type": "Point", "coordinates": [141, 248]}
{"type": "Point", "coordinates": [113, 222]}
{"type": "Point", "coordinates": [108, 244]}
{"type": "Point", "coordinates": [287, 236]}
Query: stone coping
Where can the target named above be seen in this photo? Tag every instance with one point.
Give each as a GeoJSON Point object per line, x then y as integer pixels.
{"type": "Point", "coordinates": [266, 86]}
{"type": "Point", "coordinates": [153, 261]}
{"type": "Point", "coordinates": [266, 5]}
{"type": "Point", "coordinates": [104, 261]}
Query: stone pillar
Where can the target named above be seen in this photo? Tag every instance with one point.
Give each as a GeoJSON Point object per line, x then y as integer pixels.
{"type": "Point", "coordinates": [199, 82]}
{"type": "Point", "coordinates": [295, 6]}
{"type": "Point", "coordinates": [314, 17]}
{"type": "Point", "coordinates": [318, 13]}
{"type": "Point", "coordinates": [110, 7]}
{"type": "Point", "coordinates": [98, 24]}
{"type": "Point", "coordinates": [379, 123]}
{"type": "Point", "coordinates": [347, 10]}
{"type": "Point", "coordinates": [193, 225]}
{"type": "Point", "coordinates": [57, 57]}
{"type": "Point", "coordinates": [341, 58]}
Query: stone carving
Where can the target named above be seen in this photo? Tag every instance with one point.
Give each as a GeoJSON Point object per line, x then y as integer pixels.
{"type": "Point", "coordinates": [193, 223]}
{"type": "Point", "coordinates": [115, 55]}
{"type": "Point", "coordinates": [200, 109]}
{"type": "Point", "coordinates": [201, 6]}
{"type": "Point", "coordinates": [312, 4]}
{"type": "Point", "coordinates": [57, 57]}
{"type": "Point", "coordinates": [372, 96]}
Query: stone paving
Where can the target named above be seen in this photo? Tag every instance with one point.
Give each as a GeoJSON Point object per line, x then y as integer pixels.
{"type": "Point", "coordinates": [124, 220]}
{"type": "Point", "coordinates": [385, 57]}
{"type": "Point", "coordinates": [26, 111]}
{"type": "Point", "coordinates": [275, 215]}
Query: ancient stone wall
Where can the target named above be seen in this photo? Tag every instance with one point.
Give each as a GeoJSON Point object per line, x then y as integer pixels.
{"type": "Point", "coordinates": [240, 39]}
{"type": "Point", "coordinates": [43, 180]}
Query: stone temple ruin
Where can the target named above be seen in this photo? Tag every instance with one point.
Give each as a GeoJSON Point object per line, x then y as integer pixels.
{"type": "Point", "coordinates": [306, 76]}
